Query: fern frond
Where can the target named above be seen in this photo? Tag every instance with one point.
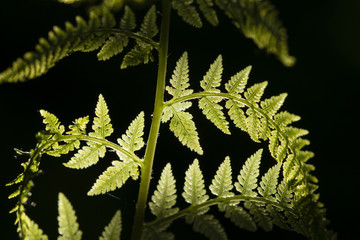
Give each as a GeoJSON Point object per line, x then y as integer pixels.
{"type": "Point", "coordinates": [164, 198]}
{"type": "Point", "coordinates": [255, 92]}
{"type": "Point", "coordinates": [188, 12]}
{"type": "Point", "coordinates": [206, 7]}
{"type": "Point", "coordinates": [253, 124]}
{"type": "Point", "coordinates": [247, 179]}
{"type": "Point", "coordinates": [210, 227]}
{"type": "Point", "coordinates": [114, 177]}
{"type": "Point", "coordinates": [180, 78]}
{"type": "Point", "coordinates": [212, 78]}
{"type": "Point", "coordinates": [237, 83]}
{"type": "Point", "coordinates": [116, 44]}
{"type": "Point", "coordinates": [101, 125]}
{"type": "Point", "coordinates": [142, 52]}
{"type": "Point", "coordinates": [259, 20]}
{"type": "Point", "coordinates": [222, 184]}
{"type": "Point", "coordinates": [184, 129]}
{"type": "Point", "coordinates": [273, 104]}
{"type": "Point", "coordinates": [148, 27]}
{"type": "Point", "coordinates": [132, 141]}
{"type": "Point", "coordinates": [113, 230]}
{"type": "Point", "coordinates": [194, 188]}
{"type": "Point", "coordinates": [31, 230]}
{"type": "Point", "coordinates": [85, 36]}
{"type": "Point", "coordinates": [52, 123]}
{"type": "Point", "coordinates": [236, 114]}
{"type": "Point", "coordinates": [68, 226]}
{"type": "Point", "coordinates": [268, 184]}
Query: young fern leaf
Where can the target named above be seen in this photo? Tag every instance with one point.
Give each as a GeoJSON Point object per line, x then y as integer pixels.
{"type": "Point", "coordinates": [164, 197]}
{"type": "Point", "coordinates": [222, 184]}
{"type": "Point", "coordinates": [259, 20]}
{"type": "Point", "coordinates": [132, 141]}
{"type": "Point", "coordinates": [102, 128]}
{"type": "Point", "coordinates": [85, 37]}
{"type": "Point", "coordinates": [184, 128]}
{"type": "Point", "coordinates": [188, 12]}
{"type": "Point", "coordinates": [247, 179]}
{"type": "Point", "coordinates": [30, 230]}
{"type": "Point", "coordinates": [68, 226]}
{"type": "Point", "coordinates": [268, 184]}
{"type": "Point", "coordinates": [116, 44]}
{"type": "Point", "coordinates": [209, 105]}
{"type": "Point", "coordinates": [194, 189]}
{"type": "Point", "coordinates": [114, 177]}
{"type": "Point", "coordinates": [237, 83]}
{"type": "Point", "coordinates": [113, 230]}
{"type": "Point", "coordinates": [180, 78]}
{"type": "Point", "coordinates": [142, 52]}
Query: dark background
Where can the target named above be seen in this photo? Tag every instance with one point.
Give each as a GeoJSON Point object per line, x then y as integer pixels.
{"type": "Point", "coordinates": [322, 86]}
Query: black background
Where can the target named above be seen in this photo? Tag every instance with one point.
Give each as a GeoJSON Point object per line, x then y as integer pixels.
{"type": "Point", "coordinates": [322, 86]}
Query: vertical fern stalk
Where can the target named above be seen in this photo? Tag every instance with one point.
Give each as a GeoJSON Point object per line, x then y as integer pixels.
{"type": "Point", "coordinates": [155, 125]}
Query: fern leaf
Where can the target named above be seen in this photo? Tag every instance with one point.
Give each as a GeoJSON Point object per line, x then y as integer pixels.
{"type": "Point", "coordinates": [59, 44]}
{"type": "Point", "coordinates": [293, 133]}
{"type": "Point", "coordinates": [164, 197]}
{"type": "Point", "coordinates": [247, 179]}
{"type": "Point", "coordinates": [212, 78]}
{"type": "Point", "coordinates": [194, 188]}
{"type": "Point", "coordinates": [180, 78]}
{"type": "Point", "coordinates": [113, 230]}
{"type": "Point", "coordinates": [184, 129]}
{"type": "Point", "coordinates": [133, 139]}
{"type": "Point", "coordinates": [284, 118]}
{"type": "Point", "coordinates": [52, 123]}
{"type": "Point", "coordinates": [236, 114]}
{"type": "Point", "coordinates": [253, 124]}
{"type": "Point", "coordinates": [273, 104]}
{"type": "Point", "coordinates": [259, 20]}
{"type": "Point", "coordinates": [241, 218]}
{"type": "Point", "coordinates": [222, 184]}
{"type": "Point", "coordinates": [268, 184]}
{"type": "Point", "coordinates": [260, 214]}
{"type": "Point", "coordinates": [101, 125]}
{"type": "Point", "coordinates": [207, 10]}
{"type": "Point", "coordinates": [113, 46]}
{"type": "Point", "coordinates": [128, 21]}
{"type": "Point", "coordinates": [237, 83]}
{"type": "Point", "coordinates": [114, 177]}
{"type": "Point", "coordinates": [148, 27]}
{"type": "Point", "coordinates": [187, 12]}
{"type": "Point", "coordinates": [86, 156]}
{"type": "Point", "coordinates": [31, 230]}
{"type": "Point", "coordinates": [137, 55]}
{"type": "Point", "coordinates": [209, 227]}
{"type": "Point", "coordinates": [68, 226]}
{"type": "Point", "coordinates": [254, 93]}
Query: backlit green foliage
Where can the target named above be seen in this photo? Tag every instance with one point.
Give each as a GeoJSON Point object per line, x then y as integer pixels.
{"type": "Point", "coordinates": [284, 195]}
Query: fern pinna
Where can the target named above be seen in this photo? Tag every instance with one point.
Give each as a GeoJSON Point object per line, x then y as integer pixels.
{"type": "Point", "coordinates": [285, 195]}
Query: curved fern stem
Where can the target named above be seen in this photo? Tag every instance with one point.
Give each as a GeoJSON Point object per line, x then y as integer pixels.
{"type": "Point", "coordinates": [217, 201]}
{"type": "Point", "coordinates": [155, 125]}
{"type": "Point", "coordinates": [134, 35]}
{"type": "Point", "coordinates": [235, 98]}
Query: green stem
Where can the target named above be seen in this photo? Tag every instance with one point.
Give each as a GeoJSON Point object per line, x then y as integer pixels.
{"type": "Point", "coordinates": [155, 125]}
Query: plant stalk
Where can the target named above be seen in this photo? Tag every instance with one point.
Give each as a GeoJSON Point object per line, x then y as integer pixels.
{"type": "Point", "coordinates": [155, 125]}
